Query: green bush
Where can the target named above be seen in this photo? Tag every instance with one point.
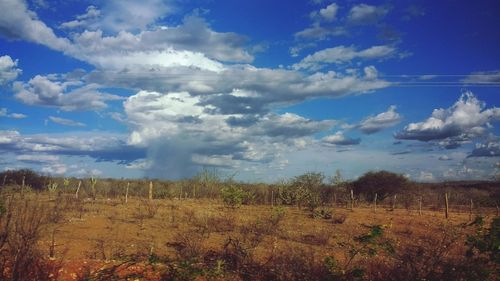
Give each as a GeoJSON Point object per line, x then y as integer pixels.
{"type": "Point", "coordinates": [233, 196]}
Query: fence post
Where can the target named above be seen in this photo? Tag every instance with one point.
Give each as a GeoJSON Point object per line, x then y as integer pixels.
{"type": "Point", "coordinates": [151, 190]}
{"type": "Point", "coordinates": [375, 202]}
{"type": "Point", "coordinates": [352, 200]}
{"type": "Point", "coordinates": [126, 193]}
{"type": "Point", "coordinates": [78, 189]}
{"type": "Point", "coordinates": [272, 198]}
{"type": "Point", "coordinates": [394, 202]}
{"type": "Point", "coordinates": [22, 187]}
{"type": "Point", "coordinates": [446, 210]}
{"type": "Point", "coordinates": [420, 206]}
{"type": "Point", "coordinates": [470, 209]}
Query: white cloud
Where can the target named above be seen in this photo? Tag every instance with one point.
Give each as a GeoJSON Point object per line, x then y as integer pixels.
{"type": "Point", "coordinates": [466, 119]}
{"type": "Point", "coordinates": [192, 43]}
{"type": "Point", "coordinates": [373, 124]}
{"type": "Point", "coordinates": [483, 78]}
{"type": "Point", "coordinates": [8, 70]}
{"type": "Point", "coordinates": [17, 115]}
{"type": "Point", "coordinates": [182, 133]}
{"type": "Point", "coordinates": [318, 32]}
{"type": "Point", "coordinates": [426, 177]}
{"type": "Point", "coordinates": [444, 158]}
{"type": "Point", "coordinates": [133, 15]}
{"type": "Point", "coordinates": [490, 148]}
{"type": "Point", "coordinates": [342, 54]}
{"type": "Point", "coordinates": [100, 146]}
{"type": "Point", "coordinates": [87, 20]}
{"type": "Point", "coordinates": [37, 158]}
{"type": "Point", "coordinates": [364, 14]}
{"type": "Point", "coordinates": [328, 14]}
{"type": "Point", "coordinates": [4, 113]}
{"type": "Point", "coordinates": [67, 95]}
{"type": "Point", "coordinates": [268, 87]}
{"type": "Point", "coordinates": [17, 22]}
{"type": "Point", "coordinates": [66, 122]}
{"type": "Point", "coordinates": [55, 169]}
{"type": "Point", "coordinates": [340, 139]}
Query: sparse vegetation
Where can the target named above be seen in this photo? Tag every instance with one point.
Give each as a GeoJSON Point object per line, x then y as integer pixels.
{"type": "Point", "coordinates": [219, 229]}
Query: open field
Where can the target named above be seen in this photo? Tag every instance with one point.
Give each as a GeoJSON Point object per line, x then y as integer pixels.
{"type": "Point", "coordinates": [207, 229]}
{"type": "Point", "coordinates": [185, 239]}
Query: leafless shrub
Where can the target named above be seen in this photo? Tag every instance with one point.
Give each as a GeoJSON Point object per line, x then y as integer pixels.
{"type": "Point", "coordinates": [21, 226]}
{"type": "Point", "coordinates": [147, 209]}
{"type": "Point", "coordinates": [189, 245]}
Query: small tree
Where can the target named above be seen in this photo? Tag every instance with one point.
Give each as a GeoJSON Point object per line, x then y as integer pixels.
{"type": "Point", "coordinates": [382, 182]}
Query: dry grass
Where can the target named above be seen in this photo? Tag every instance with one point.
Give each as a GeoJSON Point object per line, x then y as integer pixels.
{"type": "Point", "coordinates": [189, 238]}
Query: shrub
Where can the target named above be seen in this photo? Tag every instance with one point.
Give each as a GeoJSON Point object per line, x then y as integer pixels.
{"type": "Point", "coordinates": [30, 178]}
{"type": "Point", "coordinates": [383, 183]}
{"type": "Point", "coordinates": [233, 196]}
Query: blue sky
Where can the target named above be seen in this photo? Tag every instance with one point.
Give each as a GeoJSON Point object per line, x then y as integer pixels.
{"type": "Point", "coordinates": [262, 90]}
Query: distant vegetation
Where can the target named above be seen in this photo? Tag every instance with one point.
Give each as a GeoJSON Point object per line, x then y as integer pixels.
{"type": "Point", "coordinates": [301, 190]}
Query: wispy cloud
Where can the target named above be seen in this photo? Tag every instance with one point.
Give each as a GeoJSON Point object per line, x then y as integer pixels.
{"type": "Point", "coordinates": [66, 122]}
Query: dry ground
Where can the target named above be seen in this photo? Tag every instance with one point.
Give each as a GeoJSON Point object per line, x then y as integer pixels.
{"type": "Point", "coordinates": [93, 235]}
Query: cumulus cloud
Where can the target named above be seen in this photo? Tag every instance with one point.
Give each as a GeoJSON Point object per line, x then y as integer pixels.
{"type": "Point", "coordinates": [364, 14]}
{"type": "Point", "coordinates": [191, 44]}
{"type": "Point", "coordinates": [343, 54]}
{"type": "Point", "coordinates": [67, 95]}
{"type": "Point", "coordinates": [490, 148]}
{"type": "Point", "coordinates": [373, 124]}
{"type": "Point", "coordinates": [8, 70]}
{"type": "Point", "coordinates": [19, 23]}
{"type": "Point", "coordinates": [340, 139]}
{"type": "Point", "coordinates": [181, 133]}
{"type": "Point", "coordinates": [328, 14]}
{"type": "Point", "coordinates": [66, 122]}
{"type": "Point", "coordinates": [466, 119]}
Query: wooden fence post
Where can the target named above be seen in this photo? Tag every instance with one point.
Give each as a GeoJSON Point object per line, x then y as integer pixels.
{"type": "Point", "coordinates": [352, 200]}
{"type": "Point", "coordinates": [394, 202]}
{"type": "Point", "coordinates": [420, 206]}
{"type": "Point", "coordinates": [151, 190]}
{"type": "Point", "coordinates": [22, 187]}
{"type": "Point", "coordinates": [446, 206]}
{"type": "Point", "coordinates": [272, 198]}
{"type": "Point", "coordinates": [126, 193]}
{"type": "Point", "coordinates": [78, 189]}
{"type": "Point", "coordinates": [470, 209]}
{"type": "Point", "coordinates": [375, 202]}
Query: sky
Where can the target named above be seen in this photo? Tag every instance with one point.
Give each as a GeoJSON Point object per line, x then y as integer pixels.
{"type": "Point", "coordinates": [261, 90]}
